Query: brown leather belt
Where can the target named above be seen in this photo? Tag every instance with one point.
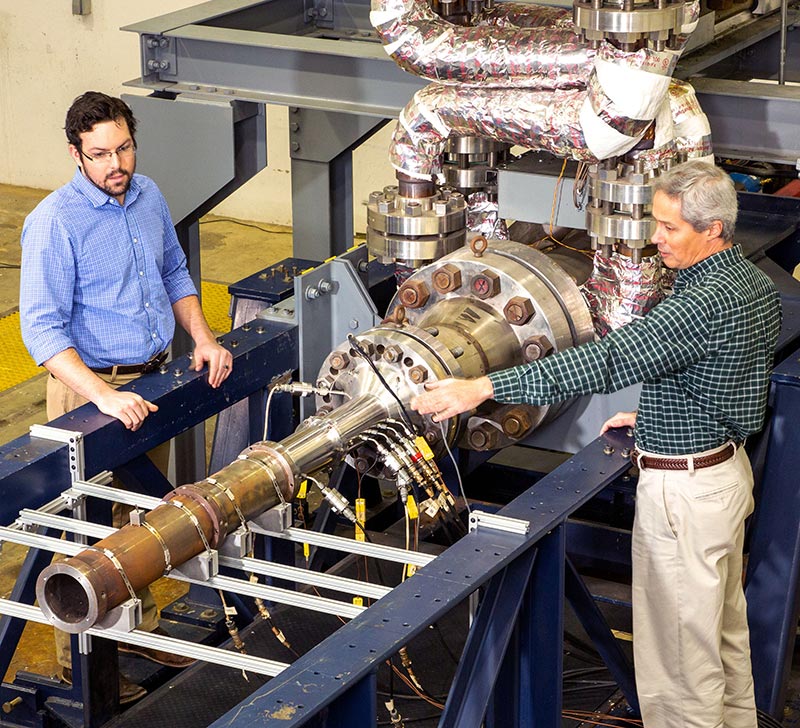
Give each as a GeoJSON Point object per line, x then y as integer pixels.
{"type": "Point", "coordinates": [703, 461]}
{"type": "Point", "coordinates": [149, 366]}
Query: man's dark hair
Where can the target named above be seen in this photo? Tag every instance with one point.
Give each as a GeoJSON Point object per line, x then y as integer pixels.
{"type": "Point", "coordinates": [93, 108]}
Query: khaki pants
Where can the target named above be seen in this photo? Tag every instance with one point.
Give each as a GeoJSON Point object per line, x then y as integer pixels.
{"type": "Point", "coordinates": [690, 636]}
{"type": "Point", "coordinates": [60, 400]}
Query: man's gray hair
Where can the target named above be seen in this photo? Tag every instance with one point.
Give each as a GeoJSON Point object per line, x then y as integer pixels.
{"type": "Point", "coordinates": [706, 194]}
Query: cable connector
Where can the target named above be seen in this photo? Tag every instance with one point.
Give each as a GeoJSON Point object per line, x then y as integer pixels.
{"type": "Point", "coordinates": [337, 501]}
{"type": "Point", "coordinates": [302, 389]}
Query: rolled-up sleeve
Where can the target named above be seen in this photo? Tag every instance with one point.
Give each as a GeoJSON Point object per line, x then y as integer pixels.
{"type": "Point", "coordinates": [177, 281]}
{"type": "Point", "coordinates": [47, 282]}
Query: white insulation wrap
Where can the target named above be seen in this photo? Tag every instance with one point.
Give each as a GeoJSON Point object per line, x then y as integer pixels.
{"type": "Point", "coordinates": [538, 87]}
{"type": "Point", "coordinates": [499, 55]}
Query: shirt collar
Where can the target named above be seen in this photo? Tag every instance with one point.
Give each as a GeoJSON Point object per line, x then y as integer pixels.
{"type": "Point", "coordinates": [96, 196]}
{"type": "Point", "coordinates": [697, 272]}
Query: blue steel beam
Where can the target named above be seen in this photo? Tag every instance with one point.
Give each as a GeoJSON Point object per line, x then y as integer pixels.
{"type": "Point", "coordinates": [486, 646]}
{"type": "Point", "coordinates": [772, 584]}
{"type": "Point", "coordinates": [321, 678]}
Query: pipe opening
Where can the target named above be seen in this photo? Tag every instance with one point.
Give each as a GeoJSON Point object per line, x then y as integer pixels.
{"type": "Point", "coordinates": [66, 597]}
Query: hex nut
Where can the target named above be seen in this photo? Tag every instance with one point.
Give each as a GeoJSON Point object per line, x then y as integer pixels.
{"type": "Point", "coordinates": [518, 311]}
{"type": "Point", "coordinates": [418, 374]}
{"type": "Point", "coordinates": [393, 353]}
{"type": "Point", "coordinates": [339, 359]}
{"type": "Point", "coordinates": [485, 284]}
{"type": "Point", "coordinates": [483, 437]}
{"type": "Point", "coordinates": [517, 422]}
{"type": "Point", "coordinates": [536, 347]}
{"type": "Point", "coordinates": [414, 293]}
{"type": "Point", "coordinates": [447, 278]}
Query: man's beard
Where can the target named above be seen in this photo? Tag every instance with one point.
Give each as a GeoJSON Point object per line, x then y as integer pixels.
{"type": "Point", "coordinates": [106, 186]}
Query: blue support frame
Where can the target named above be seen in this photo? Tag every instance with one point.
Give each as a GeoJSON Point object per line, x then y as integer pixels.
{"type": "Point", "coordinates": [323, 680]}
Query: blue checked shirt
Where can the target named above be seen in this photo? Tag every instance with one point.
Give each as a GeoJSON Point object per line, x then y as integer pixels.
{"type": "Point", "coordinates": [101, 277]}
{"type": "Point", "coordinates": [704, 356]}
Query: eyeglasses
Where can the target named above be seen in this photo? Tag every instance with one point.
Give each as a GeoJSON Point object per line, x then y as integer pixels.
{"type": "Point", "coordinates": [125, 150]}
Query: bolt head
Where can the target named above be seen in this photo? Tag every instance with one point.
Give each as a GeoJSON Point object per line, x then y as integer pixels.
{"type": "Point", "coordinates": [447, 278]}
{"type": "Point", "coordinates": [536, 347]}
{"type": "Point", "coordinates": [393, 353]}
{"type": "Point", "coordinates": [414, 293]}
{"type": "Point", "coordinates": [339, 360]}
{"type": "Point", "coordinates": [485, 284]}
{"type": "Point", "coordinates": [418, 374]}
{"type": "Point", "coordinates": [518, 311]}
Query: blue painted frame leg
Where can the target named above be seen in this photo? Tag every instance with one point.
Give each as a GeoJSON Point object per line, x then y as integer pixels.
{"type": "Point", "coordinates": [486, 645]}
{"type": "Point", "coordinates": [598, 630]}
{"type": "Point", "coordinates": [542, 636]}
{"type": "Point", "coordinates": [772, 585]}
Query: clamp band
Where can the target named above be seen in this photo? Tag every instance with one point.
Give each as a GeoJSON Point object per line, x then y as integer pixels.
{"type": "Point", "coordinates": [164, 547]}
{"type": "Point", "coordinates": [192, 518]}
{"type": "Point", "coordinates": [114, 560]}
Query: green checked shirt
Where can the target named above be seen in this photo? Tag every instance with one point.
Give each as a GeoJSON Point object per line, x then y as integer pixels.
{"type": "Point", "coordinates": [704, 356]}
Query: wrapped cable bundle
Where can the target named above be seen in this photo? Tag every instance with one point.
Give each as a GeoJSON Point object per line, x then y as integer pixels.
{"type": "Point", "coordinates": [619, 291]}
{"type": "Point", "coordinates": [483, 217]}
{"type": "Point", "coordinates": [424, 44]}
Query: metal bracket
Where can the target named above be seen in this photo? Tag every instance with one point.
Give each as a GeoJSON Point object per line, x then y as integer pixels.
{"type": "Point", "coordinates": [331, 302]}
{"type": "Point", "coordinates": [72, 438]}
{"type": "Point", "coordinates": [482, 519]}
{"type": "Point", "coordinates": [275, 520]}
{"type": "Point", "coordinates": [238, 544]}
{"type": "Point", "coordinates": [203, 566]}
{"type": "Point", "coordinates": [125, 617]}
{"type": "Point", "coordinates": [158, 56]}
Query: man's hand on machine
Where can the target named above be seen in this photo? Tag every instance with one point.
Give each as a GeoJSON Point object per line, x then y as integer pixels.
{"type": "Point", "coordinates": [621, 419]}
{"type": "Point", "coordinates": [451, 397]}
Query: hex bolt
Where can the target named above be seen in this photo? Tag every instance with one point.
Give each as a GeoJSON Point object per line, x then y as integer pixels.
{"type": "Point", "coordinates": [418, 374]}
{"type": "Point", "coordinates": [536, 347]}
{"type": "Point", "coordinates": [518, 310]}
{"type": "Point", "coordinates": [177, 373]}
{"type": "Point", "coordinates": [413, 209]}
{"type": "Point", "coordinates": [260, 329]}
{"type": "Point", "coordinates": [9, 705]}
{"type": "Point", "coordinates": [447, 278]}
{"type": "Point", "coordinates": [339, 359]}
{"type": "Point", "coordinates": [483, 437]}
{"type": "Point", "coordinates": [163, 369]}
{"type": "Point", "coordinates": [392, 353]}
{"type": "Point", "coordinates": [485, 284]}
{"type": "Point", "coordinates": [325, 286]}
{"type": "Point", "coordinates": [385, 206]}
{"type": "Point", "coordinates": [516, 422]}
{"type": "Point", "coordinates": [625, 452]}
{"type": "Point", "coordinates": [608, 450]}
{"type": "Point", "coordinates": [312, 293]}
{"type": "Point", "coordinates": [414, 294]}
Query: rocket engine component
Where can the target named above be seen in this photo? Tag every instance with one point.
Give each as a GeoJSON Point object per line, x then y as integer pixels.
{"type": "Point", "coordinates": [474, 311]}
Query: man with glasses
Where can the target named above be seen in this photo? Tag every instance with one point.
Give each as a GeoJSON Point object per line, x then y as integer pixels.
{"type": "Point", "coordinates": [103, 282]}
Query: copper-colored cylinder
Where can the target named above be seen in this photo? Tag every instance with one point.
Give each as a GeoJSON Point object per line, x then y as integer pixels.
{"type": "Point", "coordinates": [78, 592]}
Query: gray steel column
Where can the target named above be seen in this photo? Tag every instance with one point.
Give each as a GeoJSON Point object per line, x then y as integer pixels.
{"type": "Point", "coordinates": [322, 144]}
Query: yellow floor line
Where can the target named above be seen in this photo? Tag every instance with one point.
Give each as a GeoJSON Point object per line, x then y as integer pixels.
{"type": "Point", "coordinates": [16, 365]}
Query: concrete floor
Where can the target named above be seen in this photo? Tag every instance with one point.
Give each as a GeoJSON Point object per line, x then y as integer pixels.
{"type": "Point", "coordinates": [230, 251]}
